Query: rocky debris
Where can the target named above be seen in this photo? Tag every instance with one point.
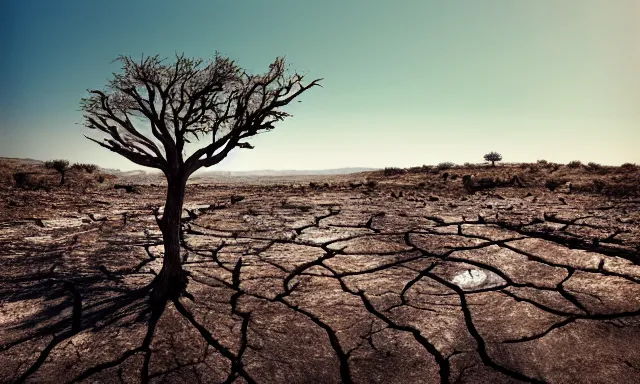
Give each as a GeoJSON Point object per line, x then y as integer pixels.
{"type": "Point", "coordinates": [396, 195]}
{"type": "Point", "coordinates": [553, 184]}
{"type": "Point", "coordinates": [236, 199]}
{"type": "Point", "coordinates": [472, 185]}
{"type": "Point", "coordinates": [475, 279]}
{"type": "Point", "coordinates": [127, 188]}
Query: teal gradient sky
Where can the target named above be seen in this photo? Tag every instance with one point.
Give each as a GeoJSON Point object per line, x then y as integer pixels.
{"type": "Point", "coordinates": [406, 82]}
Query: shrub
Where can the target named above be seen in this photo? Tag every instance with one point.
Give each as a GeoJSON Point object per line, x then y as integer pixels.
{"type": "Point", "coordinates": [552, 184]}
{"type": "Point", "coordinates": [629, 167]}
{"type": "Point", "coordinates": [89, 168]}
{"type": "Point", "coordinates": [421, 169]}
{"type": "Point", "coordinates": [593, 166]}
{"type": "Point", "coordinates": [599, 185]}
{"type": "Point", "coordinates": [20, 178]}
{"type": "Point", "coordinates": [445, 165]}
{"type": "Point", "coordinates": [24, 180]}
{"type": "Point", "coordinates": [371, 184]}
{"type": "Point", "coordinates": [493, 157]}
{"type": "Point", "coordinates": [390, 171]}
{"type": "Point", "coordinates": [542, 163]}
{"type": "Point", "coordinates": [574, 164]}
{"type": "Point", "coordinates": [598, 168]}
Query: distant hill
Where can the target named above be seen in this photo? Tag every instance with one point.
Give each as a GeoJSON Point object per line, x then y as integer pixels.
{"type": "Point", "coordinates": [117, 172]}
{"type": "Point", "coordinates": [26, 161]}
{"type": "Point", "coordinates": [205, 173]}
{"type": "Point", "coordinates": [288, 172]}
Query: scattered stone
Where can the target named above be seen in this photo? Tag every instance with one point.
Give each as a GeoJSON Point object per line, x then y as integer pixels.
{"type": "Point", "coordinates": [127, 188]}
{"type": "Point", "coordinates": [474, 279]}
{"type": "Point", "coordinates": [236, 199]}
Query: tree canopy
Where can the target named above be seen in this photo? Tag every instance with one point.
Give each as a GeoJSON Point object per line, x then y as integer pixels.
{"type": "Point", "coordinates": [493, 157]}
{"type": "Point", "coordinates": [184, 101]}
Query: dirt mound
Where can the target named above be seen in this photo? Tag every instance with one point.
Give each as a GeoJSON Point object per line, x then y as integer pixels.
{"type": "Point", "coordinates": [33, 175]}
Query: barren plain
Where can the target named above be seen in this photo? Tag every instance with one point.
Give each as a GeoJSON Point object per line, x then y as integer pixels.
{"type": "Point", "coordinates": [407, 277]}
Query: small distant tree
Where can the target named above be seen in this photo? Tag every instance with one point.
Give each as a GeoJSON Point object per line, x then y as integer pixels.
{"type": "Point", "coordinates": [180, 102]}
{"type": "Point", "coordinates": [493, 157]}
{"type": "Point", "coordinates": [61, 166]}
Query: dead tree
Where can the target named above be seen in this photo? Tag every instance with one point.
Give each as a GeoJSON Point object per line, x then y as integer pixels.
{"type": "Point", "coordinates": [180, 102]}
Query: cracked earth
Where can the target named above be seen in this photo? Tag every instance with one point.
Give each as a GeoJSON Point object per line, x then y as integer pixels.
{"type": "Point", "coordinates": [300, 285]}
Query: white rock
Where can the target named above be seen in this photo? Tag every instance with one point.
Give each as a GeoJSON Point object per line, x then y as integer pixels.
{"type": "Point", "coordinates": [470, 279]}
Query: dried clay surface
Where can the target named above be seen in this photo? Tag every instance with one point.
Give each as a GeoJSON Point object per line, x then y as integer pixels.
{"type": "Point", "coordinates": [343, 283]}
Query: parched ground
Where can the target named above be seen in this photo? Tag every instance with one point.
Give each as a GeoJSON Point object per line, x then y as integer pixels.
{"type": "Point", "coordinates": [325, 285]}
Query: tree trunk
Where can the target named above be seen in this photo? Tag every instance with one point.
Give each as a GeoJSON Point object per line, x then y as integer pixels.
{"type": "Point", "coordinates": [61, 178]}
{"type": "Point", "coordinates": [171, 282]}
{"type": "Point", "coordinates": [493, 163]}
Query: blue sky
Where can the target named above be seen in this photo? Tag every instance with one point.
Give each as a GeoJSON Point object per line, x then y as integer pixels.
{"type": "Point", "coordinates": [406, 82]}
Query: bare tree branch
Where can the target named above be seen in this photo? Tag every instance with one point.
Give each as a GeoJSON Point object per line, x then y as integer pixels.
{"type": "Point", "coordinates": [187, 100]}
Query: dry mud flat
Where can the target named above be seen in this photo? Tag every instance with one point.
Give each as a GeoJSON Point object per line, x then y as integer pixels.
{"type": "Point", "coordinates": [294, 285]}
